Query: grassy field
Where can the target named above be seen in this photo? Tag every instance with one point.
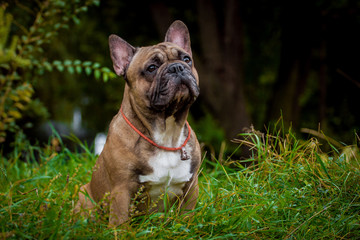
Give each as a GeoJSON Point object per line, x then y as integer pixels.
{"type": "Point", "coordinates": [293, 190]}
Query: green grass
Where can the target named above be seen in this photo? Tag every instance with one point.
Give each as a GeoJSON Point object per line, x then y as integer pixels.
{"type": "Point", "coordinates": [293, 190]}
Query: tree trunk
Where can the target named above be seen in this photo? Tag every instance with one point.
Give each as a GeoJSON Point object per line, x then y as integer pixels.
{"type": "Point", "coordinates": [221, 65]}
{"type": "Point", "coordinates": [294, 65]}
{"type": "Point", "coordinates": [161, 16]}
{"type": "Point", "coordinates": [322, 84]}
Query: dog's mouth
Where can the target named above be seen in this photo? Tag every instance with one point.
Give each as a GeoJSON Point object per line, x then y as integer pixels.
{"type": "Point", "coordinates": [175, 87]}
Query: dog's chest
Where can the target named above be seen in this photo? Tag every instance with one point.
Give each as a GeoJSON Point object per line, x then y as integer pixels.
{"type": "Point", "coordinates": [169, 175]}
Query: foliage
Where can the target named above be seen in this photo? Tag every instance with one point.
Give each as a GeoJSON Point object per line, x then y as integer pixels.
{"type": "Point", "coordinates": [78, 66]}
{"type": "Point", "coordinates": [12, 99]}
{"type": "Point", "coordinates": [293, 190]}
{"type": "Point", "coordinates": [24, 60]}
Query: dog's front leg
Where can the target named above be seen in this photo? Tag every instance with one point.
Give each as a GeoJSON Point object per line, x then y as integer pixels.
{"type": "Point", "coordinates": [119, 205]}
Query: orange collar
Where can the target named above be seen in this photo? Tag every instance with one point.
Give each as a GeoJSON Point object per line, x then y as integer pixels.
{"type": "Point", "coordinates": [184, 155]}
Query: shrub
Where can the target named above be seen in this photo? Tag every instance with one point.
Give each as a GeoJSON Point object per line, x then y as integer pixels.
{"type": "Point", "coordinates": [23, 57]}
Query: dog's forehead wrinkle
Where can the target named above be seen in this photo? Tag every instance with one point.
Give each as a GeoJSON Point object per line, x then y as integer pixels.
{"type": "Point", "coordinates": [158, 57]}
{"type": "Point", "coordinates": [171, 51]}
{"type": "Point", "coordinates": [175, 52]}
{"type": "Point", "coordinates": [155, 56]}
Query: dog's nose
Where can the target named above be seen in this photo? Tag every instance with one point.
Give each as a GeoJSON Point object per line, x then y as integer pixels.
{"type": "Point", "coordinates": [176, 68]}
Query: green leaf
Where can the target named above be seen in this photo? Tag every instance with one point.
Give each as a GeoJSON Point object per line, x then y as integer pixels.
{"type": "Point", "coordinates": [57, 62]}
{"type": "Point", "coordinates": [32, 29]}
{"type": "Point", "coordinates": [60, 3]}
{"type": "Point", "coordinates": [105, 69]}
{"type": "Point", "coordinates": [48, 34]}
{"type": "Point", "coordinates": [86, 63]}
{"type": "Point", "coordinates": [112, 75]}
{"type": "Point", "coordinates": [71, 69]}
{"type": "Point", "coordinates": [105, 77]}
{"type": "Point", "coordinates": [97, 74]}
{"type": "Point", "coordinates": [96, 65]}
{"type": "Point", "coordinates": [76, 20]}
{"type": "Point", "coordinates": [15, 114]}
{"type": "Point", "coordinates": [39, 42]}
{"type": "Point", "coordinates": [57, 26]}
{"type": "Point", "coordinates": [67, 62]}
{"type": "Point", "coordinates": [84, 8]}
{"type": "Point", "coordinates": [78, 69]}
{"type": "Point", "coordinates": [5, 66]}
{"type": "Point", "coordinates": [88, 71]}
{"type": "Point", "coordinates": [60, 68]}
{"type": "Point", "coordinates": [48, 66]}
{"type": "Point", "coordinates": [96, 2]}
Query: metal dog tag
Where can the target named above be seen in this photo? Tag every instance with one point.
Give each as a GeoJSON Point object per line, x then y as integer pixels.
{"type": "Point", "coordinates": [184, 155]}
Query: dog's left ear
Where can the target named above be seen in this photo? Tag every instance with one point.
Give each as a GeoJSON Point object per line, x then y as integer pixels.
{"type": "Point", "coordinates": [178, 33]}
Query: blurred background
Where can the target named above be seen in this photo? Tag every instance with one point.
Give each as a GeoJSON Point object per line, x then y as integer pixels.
{"type": "Point", "coordinates": [258, 62]}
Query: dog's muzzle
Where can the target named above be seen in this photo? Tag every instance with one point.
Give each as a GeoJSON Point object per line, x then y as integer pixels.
{"type": "Point", "coordinates": [175, 84]}
{"type": "Point", "coordinates": [182, 75]}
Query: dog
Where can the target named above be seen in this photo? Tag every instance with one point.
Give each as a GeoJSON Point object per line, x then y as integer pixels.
{"type": "Point", "coordinates": [151, 156]}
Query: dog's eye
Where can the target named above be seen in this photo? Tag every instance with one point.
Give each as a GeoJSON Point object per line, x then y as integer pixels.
{"type": "Point", "coordinates": [187, 59]}
{"type": "Point", "coordinates": [151, 68]}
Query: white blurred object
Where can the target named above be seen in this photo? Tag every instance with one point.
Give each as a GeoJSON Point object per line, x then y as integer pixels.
{"type": "Point", "coordinates": [100, 140]}
{"type": "Point", "coordinates": [76, 122]}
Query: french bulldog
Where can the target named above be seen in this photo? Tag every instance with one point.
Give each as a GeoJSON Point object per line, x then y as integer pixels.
{"type": "Point", "coordinates": [151, 156]}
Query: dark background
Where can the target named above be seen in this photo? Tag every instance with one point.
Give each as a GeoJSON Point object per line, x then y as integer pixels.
{"type": "Point", "coordinates": [257, 61]}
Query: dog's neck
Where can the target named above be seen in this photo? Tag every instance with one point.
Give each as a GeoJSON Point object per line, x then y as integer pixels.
{"type": "Point", "coordinates": [170, 134]}
{"type": "Point", "coordinates": [166, 131]}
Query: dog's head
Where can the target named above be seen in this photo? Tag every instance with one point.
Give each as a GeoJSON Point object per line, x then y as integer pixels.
{"type": "Point", "coordinates": [161, 78]}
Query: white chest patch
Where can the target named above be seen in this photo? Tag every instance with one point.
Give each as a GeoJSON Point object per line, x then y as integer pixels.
{"type": "Point", "coordinates": [169, 175]}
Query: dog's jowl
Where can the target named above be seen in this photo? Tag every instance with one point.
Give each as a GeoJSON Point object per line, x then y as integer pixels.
{"type": "Point", "coordinates": [151, 155]}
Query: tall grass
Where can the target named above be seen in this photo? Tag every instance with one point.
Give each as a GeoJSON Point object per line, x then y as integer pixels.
{"type": "Point", "coordinates": [292, 190]}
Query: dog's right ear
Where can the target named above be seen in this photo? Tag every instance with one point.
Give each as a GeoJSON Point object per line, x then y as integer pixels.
{"type": "Point", "coordinates": [121, 54]}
